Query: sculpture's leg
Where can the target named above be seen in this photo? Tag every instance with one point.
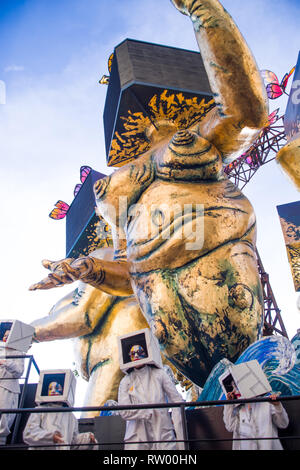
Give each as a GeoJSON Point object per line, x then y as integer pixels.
{"type": "Point", "coordinates": [158, 296]}
{"type": "Point", "coordinates": [99, 355]}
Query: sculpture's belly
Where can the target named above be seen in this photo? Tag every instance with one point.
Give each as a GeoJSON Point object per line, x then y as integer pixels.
{"type": "Point", "coordinates": [209, 309]}
{"type": "Point", "coordinates": [193, 220]}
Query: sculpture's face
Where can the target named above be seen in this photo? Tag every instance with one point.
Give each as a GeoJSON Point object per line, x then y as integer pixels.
{"type": "Point", "coordinates": [136, 353]}
{"type": "Point", "coordinates": [54, 389]}
{"type": "Point", "coordinates": [189, 156]}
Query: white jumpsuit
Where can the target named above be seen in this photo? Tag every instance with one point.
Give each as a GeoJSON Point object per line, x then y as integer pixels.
{"type": "Point", "coordinates": [261, 419]}
{"type": "Point", "coordinates": [144, 386]}
{"type": "Point", "coordinates": [10, 371]}
{"type": "Point", "coordinates": [40, 428]}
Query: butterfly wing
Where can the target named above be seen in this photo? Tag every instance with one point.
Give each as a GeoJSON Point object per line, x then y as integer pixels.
{"type": "Point", "coordinates": [285, 79]}
{"type": "Point", "coordinates": [57, 214]}
{"type": "Point", "coordinates": [273, 116]}
{"type": "Point", "coordinates": [274, 91]}
{"type": "Point", "coordinates": [272, 84]}
{"type": "Point", "coordinates": [110, 59]}
{"type": "Point", "coordinates": [269, 77]}
{"type": "Point", "coordinates": [84, 172]}
{"type": "Point", "coordinates": [77, 188]}
{"type": "Point", "coordinates": [60, 210]}
{"type": "Point", "coordinates": [62, 205]}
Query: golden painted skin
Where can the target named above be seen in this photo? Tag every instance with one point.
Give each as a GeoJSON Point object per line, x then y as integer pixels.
{"type": "Point", "coordinates": [94, 319]}
{"type": "Point", "coordinates": [199, 287]}
{"type": "Point", "coordinates": [288, 158]}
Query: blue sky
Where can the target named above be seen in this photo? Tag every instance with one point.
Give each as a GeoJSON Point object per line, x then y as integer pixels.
{"type": "Point", "coordinates": [52, 55]}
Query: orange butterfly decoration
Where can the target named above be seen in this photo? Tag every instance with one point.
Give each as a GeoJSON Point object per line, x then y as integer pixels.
{"type": "Point", "coordinates": [60, 210]}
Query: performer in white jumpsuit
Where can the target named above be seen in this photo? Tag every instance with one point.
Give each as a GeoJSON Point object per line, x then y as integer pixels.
{"type": "Point", "coordinates": [146, 385]}
{"type": "Point", "coordinates": [252, 420]}
{"type": "Point", "coordinates": [10, 371]}
{"type": "Point", "coordinates": [47, 429]}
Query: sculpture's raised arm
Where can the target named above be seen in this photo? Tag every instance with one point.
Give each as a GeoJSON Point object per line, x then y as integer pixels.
{"type": "Point", "coordinates": [241, 101]}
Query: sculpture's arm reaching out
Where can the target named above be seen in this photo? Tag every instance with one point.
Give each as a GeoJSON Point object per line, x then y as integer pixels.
{"type": "Point", "coordinates": [241, 102]}
{"type": "Point", "coordinates": [110, 276]}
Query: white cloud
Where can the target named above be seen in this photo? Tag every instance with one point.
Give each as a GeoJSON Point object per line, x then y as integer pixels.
{"type": "Point", "coordinates": [14, 68]}
{"type": "Point", "coordinates": [2, 92]}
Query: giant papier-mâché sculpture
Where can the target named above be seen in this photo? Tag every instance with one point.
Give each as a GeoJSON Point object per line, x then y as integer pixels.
{"type": "Point", "coordinates": [184, 235]}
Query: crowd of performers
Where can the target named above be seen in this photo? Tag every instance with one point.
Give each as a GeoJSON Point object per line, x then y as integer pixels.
{"type": "Point", "coordinates": [146, 381]}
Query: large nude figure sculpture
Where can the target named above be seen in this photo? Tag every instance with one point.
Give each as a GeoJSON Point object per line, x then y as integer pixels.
{"type": "Point", "coordinates": [193, 270]}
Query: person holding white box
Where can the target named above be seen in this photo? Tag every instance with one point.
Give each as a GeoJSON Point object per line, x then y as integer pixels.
{"type": "Point", "coordinates": [254, 425]}
{"type": "Point", "coordinates": [56, 430]}
{"type": "Point", "coordinates": [11, 369]}
{"type": "Point", "coordinates": [147, 382]}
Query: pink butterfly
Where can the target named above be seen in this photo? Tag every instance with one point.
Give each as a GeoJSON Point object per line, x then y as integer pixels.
{"type": "Point", "coordinates": [273, 116]}
{"type": "Point", "coordinates": [84, 172]}
{"type": "Point", "coordinates": [273, 87]}
{"type": "Point", "coordinates": [60, 210]}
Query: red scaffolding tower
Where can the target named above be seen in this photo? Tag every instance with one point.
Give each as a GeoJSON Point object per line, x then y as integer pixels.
{"type": "Point", "coordinates": [240, 171]}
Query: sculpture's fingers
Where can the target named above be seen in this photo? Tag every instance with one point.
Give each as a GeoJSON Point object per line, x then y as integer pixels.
{"type": "Point", "coordinates": [57, 279]}
{"type": "Point", "coordinates": [71, 272]}
{"type": "Point", "coordinates": [44, 284]}
{"type": "Point", "coordinates": [48, 264]}
{"type": "Point", "coordinates": [55, 265]}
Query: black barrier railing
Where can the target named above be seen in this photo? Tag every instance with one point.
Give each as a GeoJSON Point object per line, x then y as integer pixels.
{"type": "Point", "coordinates": [182, 405]}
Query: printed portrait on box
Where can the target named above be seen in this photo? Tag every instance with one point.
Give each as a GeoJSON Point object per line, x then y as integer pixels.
{"type": "Point", "coordinates": [56, 386]}
{"type": "Point", "coordinates": [138, 348]}
{"type": "Point", "coordinates": [53, 384]}
{"type": "Point", "coordinates": [130, 347]}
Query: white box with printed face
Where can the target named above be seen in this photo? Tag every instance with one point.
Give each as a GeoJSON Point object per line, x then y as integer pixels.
{"type": "Point", "coordinates": [56, 386]}
{"type": "Point", "coordinates": [15, 334]}
{"type": "Point", "coordinates": [248, 377]}
{"type": "Point", "coordinates": [147, 341]}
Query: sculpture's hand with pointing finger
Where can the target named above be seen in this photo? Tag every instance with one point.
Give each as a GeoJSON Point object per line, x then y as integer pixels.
{"type": "Point", "coordinates": [63, 272]}
{"type": "Point", "coordinates": [110, 276]}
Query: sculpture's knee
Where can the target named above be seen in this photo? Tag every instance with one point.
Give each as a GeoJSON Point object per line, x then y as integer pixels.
{"type": "Point", "coordinates": [241, 296]}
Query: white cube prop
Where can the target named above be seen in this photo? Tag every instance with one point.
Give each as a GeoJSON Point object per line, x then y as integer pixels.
{"type": "Point", "coordinates": [144, 338]}
{"type": "Point", "coordinates": [65, 378]}
{"type": "Point", "coordinates": [248, 377]}
{"type": "Point", "coordinates": [19, 337]}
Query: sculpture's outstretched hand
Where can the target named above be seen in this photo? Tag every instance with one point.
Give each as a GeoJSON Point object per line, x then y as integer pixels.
{"type": "Point", "coordinates": [110, 276]}
{"type": "Point", "coordinates": [64, 272]}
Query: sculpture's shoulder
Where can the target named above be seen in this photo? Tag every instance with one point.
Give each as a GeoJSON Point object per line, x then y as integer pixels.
{"type": "Point", "coordinates": [233, 193]}
{"type": "Point", "coordinates": [129, 180]}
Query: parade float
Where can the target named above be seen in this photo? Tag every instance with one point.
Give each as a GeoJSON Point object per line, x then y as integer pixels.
{"type": "Point", "coordinates": [171, 243]}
